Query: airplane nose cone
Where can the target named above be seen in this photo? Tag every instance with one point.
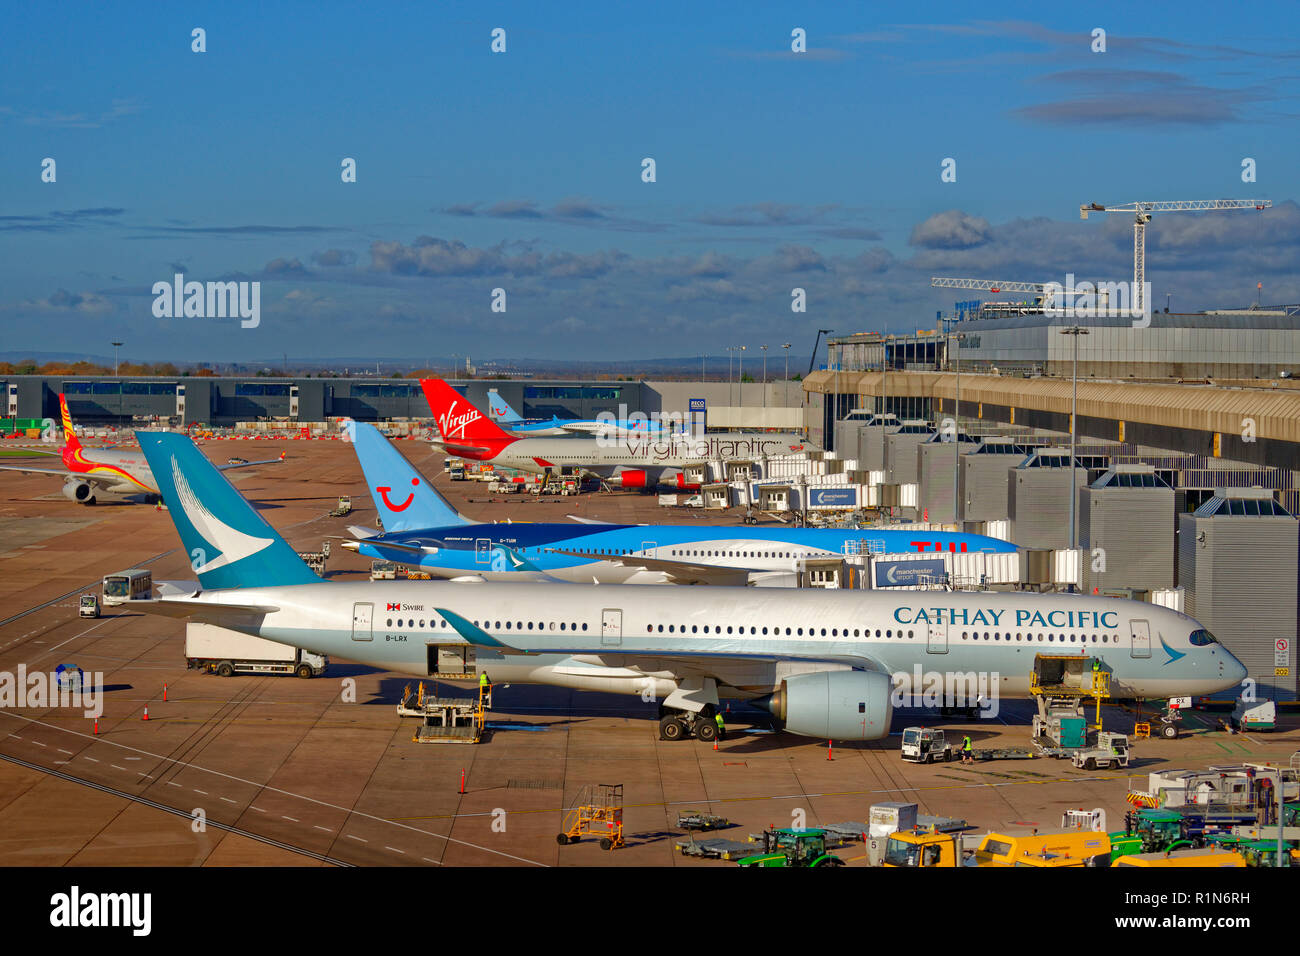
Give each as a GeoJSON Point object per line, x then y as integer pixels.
{"type": "Point", "coordinates": [1235, 670]}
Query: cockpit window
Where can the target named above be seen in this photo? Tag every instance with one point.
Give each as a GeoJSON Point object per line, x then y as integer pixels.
{"type": "Point", "coordinates": [1200, 638]}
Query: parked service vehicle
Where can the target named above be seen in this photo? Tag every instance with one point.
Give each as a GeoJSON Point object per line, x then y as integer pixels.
{"type": "Point", "coordinates": [1204, 856]}
{"type": "Point", "coordinates": [1045, 849]}
{"type": "Point", "coordinates": [923, 745]}
{"type": "Point", "coordinates": [918, 848]}
{"type": "Point", "coordinates": [225, 652]}
{"type": "Point", "coordinates": [88, 606]}
{"type": "Point", "coordinates": [383, 571]}
{"type": "Point", "coordinates": [1111, 751]}
{"type": "Point", "coordinates": [1255, 715]}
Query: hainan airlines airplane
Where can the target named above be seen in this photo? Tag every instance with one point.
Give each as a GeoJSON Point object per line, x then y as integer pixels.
{"type": "Point", "coordinates": [499, 411]}
{"type": "Point", "coordinates": [89, 472]}
{"type": "Point", "coordinates": [825, 663]}
{"type": "Point", "coordinates": [420, 527]}
{"type": "Point", "coordinates": [628, 461]}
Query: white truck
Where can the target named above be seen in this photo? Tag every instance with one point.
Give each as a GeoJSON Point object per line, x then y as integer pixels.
{"type": "Point", "coordinates": [219, 650]}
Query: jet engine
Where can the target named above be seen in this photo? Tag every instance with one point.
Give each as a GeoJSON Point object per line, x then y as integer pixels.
{"type": "Point", "coordinates": [630, 478]}
{"type": "Point", "coordinates": [81, 491]}
{"type": "Point", "coordinates": [837, 705]}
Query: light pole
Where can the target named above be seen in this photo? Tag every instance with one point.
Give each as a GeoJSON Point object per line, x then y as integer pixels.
{"type": "Point", "coordinates": [1075, 331]}
{"type": "Point", "coordinates": [740, 375]}
{"type": "Point", "coordinates": [731, 393]}
{"type": "Point", "coordinates": [764, 348]}
{"type": "Point", "coordinates": [116, 346]}
{"type": "Point", "coordinates": [956, 430]}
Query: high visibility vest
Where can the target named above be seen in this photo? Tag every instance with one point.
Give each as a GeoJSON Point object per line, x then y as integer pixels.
{"type": "Point", "coordinates": [965, 743]}
{"type": "Point", "coordinates": [482, 680]}
{"type": "Point", "coordinates": [718, 720]}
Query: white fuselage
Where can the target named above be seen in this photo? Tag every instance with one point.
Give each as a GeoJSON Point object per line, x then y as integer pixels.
{"type": "Point", "coordinates": [615, 637]}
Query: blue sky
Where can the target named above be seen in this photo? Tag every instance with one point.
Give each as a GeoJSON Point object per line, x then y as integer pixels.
{"type": "Point", "coordinates": [522, 170]}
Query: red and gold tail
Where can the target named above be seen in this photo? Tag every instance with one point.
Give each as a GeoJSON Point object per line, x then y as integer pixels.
{"type": "Point", "coordinates": [69, 437]}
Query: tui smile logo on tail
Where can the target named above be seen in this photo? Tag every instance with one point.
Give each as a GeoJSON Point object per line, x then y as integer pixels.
{"type": "Point", "coordinates": [385, 489]}
{"type": "Point", "coordinates": [233, 544]}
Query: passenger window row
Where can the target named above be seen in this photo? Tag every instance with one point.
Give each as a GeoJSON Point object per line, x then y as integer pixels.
{"type": "Point", "coordinates": [1079, 639]}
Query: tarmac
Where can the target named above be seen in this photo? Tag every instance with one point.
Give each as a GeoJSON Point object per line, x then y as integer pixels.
{"type": "Point", "coordinates": [273, 770]}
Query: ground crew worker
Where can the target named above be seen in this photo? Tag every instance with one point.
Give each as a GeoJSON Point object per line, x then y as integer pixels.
{"type": "Point", "coordinates": [484, 685]}
{"type": "Point", "coordinates": [966, 755]}
{"type": "Point", "coordinates": [722, 730]}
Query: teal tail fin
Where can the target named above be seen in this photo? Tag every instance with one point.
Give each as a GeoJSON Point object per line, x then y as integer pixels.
{"type": "Point", "coordinates": [230, 545]}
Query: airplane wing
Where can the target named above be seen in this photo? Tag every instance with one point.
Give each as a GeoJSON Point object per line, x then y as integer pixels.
{"type": "Point", "coordinates": [480, 638]}
{"type": "Point", "coordinates": [250, 464]}
{"type": "Point", "coordinates": [196, 610]}
{"type": "Point", "coordinates": [399, 546]}
{"type": "Point", "coordinates": [683, 572]}
{"type": "Point", "coordinates": [46, 471]}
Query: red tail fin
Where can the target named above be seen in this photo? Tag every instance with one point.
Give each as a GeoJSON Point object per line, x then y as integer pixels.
{"type": "Point", "coordinates": [69, 438]}
{"type": "Point", "coordinates": [458, 420]}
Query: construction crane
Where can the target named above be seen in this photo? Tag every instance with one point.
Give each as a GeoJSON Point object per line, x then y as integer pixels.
{"type": "Point", "coordinates": [818, 342]}
{"type": "Point", "coordinates": [1142, 215]}
{"type": "Point", "coordinates": [993, 285]}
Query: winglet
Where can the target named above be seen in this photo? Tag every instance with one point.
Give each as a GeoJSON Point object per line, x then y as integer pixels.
{"type": "Point", "coordinates": [472, 633]}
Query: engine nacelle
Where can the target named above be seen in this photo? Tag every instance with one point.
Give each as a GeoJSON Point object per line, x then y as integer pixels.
{"type": "Point", "coordinates": [837, 705]}
{"type": "Point", "coordinates": [81, 491]}
{"type": "Point", "coordinates": [631, 478]}
{"type": "Point", "coordinates": [679, 481]}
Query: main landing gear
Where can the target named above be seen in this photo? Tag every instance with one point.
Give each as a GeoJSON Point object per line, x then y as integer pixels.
{"type": "Point", "coordinates": [681, 725]}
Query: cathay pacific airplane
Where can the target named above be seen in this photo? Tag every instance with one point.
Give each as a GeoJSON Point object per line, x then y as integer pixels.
{"type": "Point", "coordinates": [499, 411]}
{"type": "Point", "coordinates": [420, 527]}
{"type": "Point", "coordinates": [628, 461]}
{"type": "Point", "coordinates": [823, 662]}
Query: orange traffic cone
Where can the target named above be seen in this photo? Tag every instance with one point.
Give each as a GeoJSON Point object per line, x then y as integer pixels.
{"type": "Point", "coordinates": [146, 714]}
{"type": "Point", "coordinates": [715, 743]}
{"type": "Point", "coordinates": [96, 727]}
{"type": "Point", "coordinates": [830, 750]}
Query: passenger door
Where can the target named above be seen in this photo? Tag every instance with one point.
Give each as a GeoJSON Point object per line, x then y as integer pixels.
{"type": "Point", "coordinates": [362, 629]}
{"type": "Point", "coordinates": [1141, 631]}
{"type": "Point", "coordinates": [937, 639]}
{"type": "Point", "coordinates": [611, 627]}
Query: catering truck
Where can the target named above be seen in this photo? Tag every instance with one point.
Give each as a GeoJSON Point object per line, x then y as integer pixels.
{"type": "Point", "coordinates": [219, 650]}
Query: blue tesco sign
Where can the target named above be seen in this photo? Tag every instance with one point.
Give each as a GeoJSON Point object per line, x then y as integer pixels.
{"type": "Point", "coordinates": [698, 405]}
{"type": "Point", "coordinates": [898, 574]}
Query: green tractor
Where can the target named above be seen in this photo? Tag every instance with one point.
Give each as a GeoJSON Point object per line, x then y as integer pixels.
{"type": "Point", "coordinates": [1150, 830]}
{"type": "Point", "coordinates": [792, 848]}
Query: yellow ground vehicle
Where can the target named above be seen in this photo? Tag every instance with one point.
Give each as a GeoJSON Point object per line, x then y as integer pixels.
{"type": "Point", "coordinates": [598, 811]}
{"type": "Point", "coordinates": [1087, 847]}
{"type": "Point", "coordinates": [1202, 857]}
{"type": "Point", "coordinates": [923, 848]}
